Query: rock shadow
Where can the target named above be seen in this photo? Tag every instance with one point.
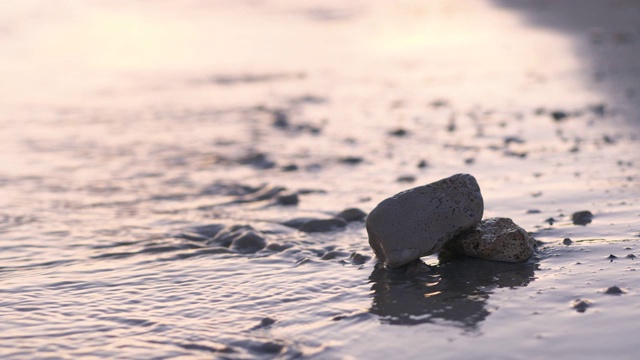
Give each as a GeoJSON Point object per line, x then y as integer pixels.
{"type": "Point", "coordinates": [455, 291]}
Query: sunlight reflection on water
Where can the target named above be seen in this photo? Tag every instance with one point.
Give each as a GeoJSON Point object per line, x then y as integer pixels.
{"type": "Point", "coordinates": [126, 125]}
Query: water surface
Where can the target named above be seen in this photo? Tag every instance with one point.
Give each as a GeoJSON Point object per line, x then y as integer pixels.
{"type": "Point", "coordinates": [127, 124]}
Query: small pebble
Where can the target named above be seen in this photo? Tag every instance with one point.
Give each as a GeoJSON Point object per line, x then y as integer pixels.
{"type": "Point", "coordinates": [581, 305]}
{"type": "Point", "coordinates": [265, 322]}
{"type": "Point", "coordinates": [332, 255]}
{"type": "Point", "coordinates": [280, 119]}
{"type": "Point", "coordinates": [351, 160]}
{"type": "Point", "coordinates": [614, 290]}
{"type": "Point", "coordinates": [406, 179]}
{"type": "Point", "coordinates": [278, 247]}
{"type": "Point", "coordinates": [226, 236]}
{"type": "Point", "coordinates": [533, 211]}
{"type": "Point", "coordinates": [631, 256]}
{"type": "Point", "coordinates": [248, 242]}
{"type": "Point", "coordinates": [422, 164]}
{"type": "Point", "coordinates": [290, 167]}
{"type": "Point", "coordinates": [352, 214]}
{"type": "Point", "coordinates": [359, 259]}
{"type": "Point", "coordinates": [581, 217]}
{"type": "Point", "coordinates": [558, 115]}
{"type": "Point", "coordinates": [297, 223]}
{"type": "Point", "coordinates": [611, 257]}
{"type": "Point", "coordinates": [323, 225]}
{"type": "Point", "coordinates": [567, 241]}
{"type": "Point", "coordinates": [291, 199]}
{"type": "Point", "coordinates": [398, 132]}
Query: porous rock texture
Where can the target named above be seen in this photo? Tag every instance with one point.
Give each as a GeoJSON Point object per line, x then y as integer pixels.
{"type": "Point", "coordinates": [498, 239]}
{"type": "Point", "coordinates": [419, 221]}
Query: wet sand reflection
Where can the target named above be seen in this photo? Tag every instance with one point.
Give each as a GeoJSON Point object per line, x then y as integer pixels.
{"type": "Point", "coordinates": [455, 291]}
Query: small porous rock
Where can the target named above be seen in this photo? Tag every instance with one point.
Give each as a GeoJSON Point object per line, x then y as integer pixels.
{"type": "Point", "coordinates": [498, 239]}
{"type": "Point", "coordinates": [352, 214]}
{"type": "Point", "coordinates": [567, 241]}
{"type": "Point", "coordinates": [419, 221]}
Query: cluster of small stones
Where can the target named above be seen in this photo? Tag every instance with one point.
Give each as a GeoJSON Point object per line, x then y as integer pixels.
{"type": "Point", "coordinates": [444, 214]}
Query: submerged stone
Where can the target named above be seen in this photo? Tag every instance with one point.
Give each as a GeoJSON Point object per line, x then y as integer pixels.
{"type": "Point", "coordinates": [242, 239]}
{"type": "Point", "coordinates": [352, 214]}
{"type": "Point", "coordinates": [498, 239]}
{"type": "Point", "coordinates": [290, 199]}
{"type": "Point", "coordinates": [248, 242]}
{"type": "Point", "coordinates": [323, 225]}
{"type": "Point", "coordinates": [419, 221]}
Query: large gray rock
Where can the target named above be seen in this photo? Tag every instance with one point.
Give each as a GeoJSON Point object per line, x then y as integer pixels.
{"type": "Point", "coordinates": [419, 221]}
{"type": "Point", "coordinates": [498, 239]}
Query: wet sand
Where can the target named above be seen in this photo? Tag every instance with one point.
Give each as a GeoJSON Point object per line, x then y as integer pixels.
{"type": "Point", "coordinates": [128, 127]}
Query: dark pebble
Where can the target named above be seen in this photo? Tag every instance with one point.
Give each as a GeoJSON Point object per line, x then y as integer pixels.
{"type": "Point", "coordinates": [406, 179]}
{"type": "Point", "coordinates": [533, 211]}
{"type": "Point", "coordinates": [422, 164]}
{"type": "Point", "coordinates": [297, 223]}
{"type": "Point", "coordinates": [519, 154]}
{"type": "Point", "coordinates": [324, 225]}
{"type": "Point", "coordinates": [631, 256]}
{"type": "Point", "coordinates": [352, 214]}
{"type": "Point", "coordinates": [257, 160]}
{"type": "Point", "coordinates": [278, 247]}
{"type": "Point", "coordinates": [513, 139]}
{"type": "Point", "coordinates": [398, 132]}
{"type": "Point", "coordinates": [291, 199]}
{"type": "Point", "coordinates": [351, 160]}
{"type": "Point", "coordinates": [567, 241]}
{"type": "Point", "coordinates": [280, 119]}
{"type": "Point", "coordinates": [599, 109]}
{"type": "Point", "coordinates": [359, 259]}
{"type": "Point", "coordinates": [550, 221]}
{"type": "Point", "coordinates": [611, 257]}
{"type": "Point", "coordinates": [271, 347]}
{"type": "Point", "coordinates": [558, 115]}
{"type": "Point", "coordinates": [614, 290]}
{"type": "Point", "coordinates": [267, 321]}
{"type": "Point", "coordinates": [291, 167]}
{"type": "Point", "coordinates": [581, 305]}
{"type": "Point", "coordinates": [226, 236]}
{"type": "Point", "coordinates": [248, 242]}
{"type": "Point", "coordinates": [581, 217]}
{"type": "Point", "coordinates": [333, 254]}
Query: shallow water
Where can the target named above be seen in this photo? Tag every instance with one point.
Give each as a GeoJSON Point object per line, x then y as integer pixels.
{"type": "Point", "coordinates": [126, 125]}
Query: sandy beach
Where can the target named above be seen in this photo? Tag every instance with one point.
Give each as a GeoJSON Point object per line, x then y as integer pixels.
{"type": "Point", "coordinates": [134, 132]}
